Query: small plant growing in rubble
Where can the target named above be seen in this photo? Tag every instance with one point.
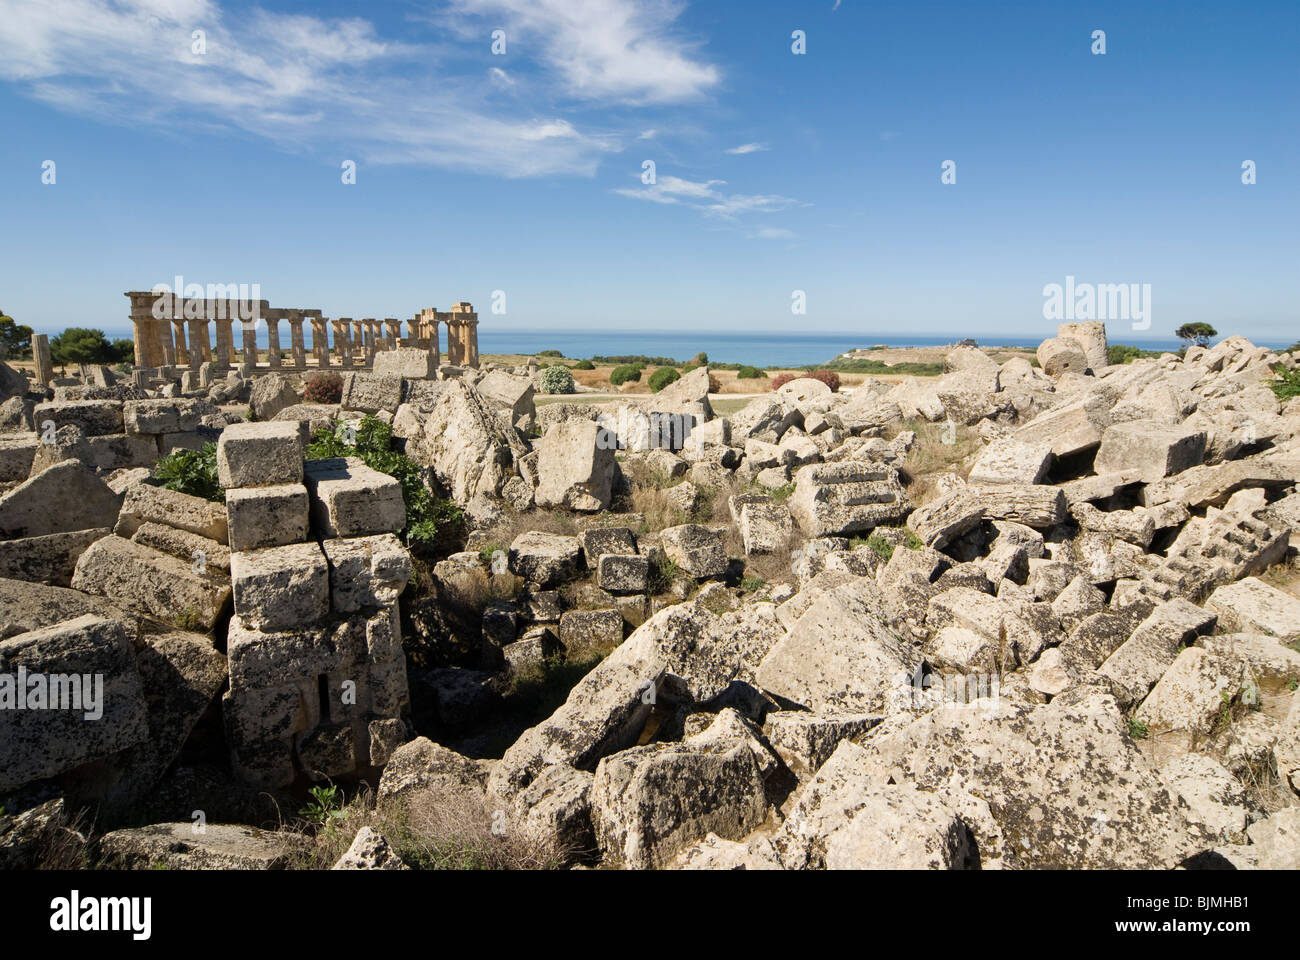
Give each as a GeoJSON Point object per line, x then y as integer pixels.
{"type": "Point", "coordinates": [425, 513]}
{"type": "Point", "coordinates": [1137, 729]}
{"type": "Point", "coordinates": [1287, 384]}
{"type": "Point", "coordinates": [557, 379]}
{"type": "Point", "coordinates": [325, 804]}
{"type": "Point", "coordinates": [191, 471]}
{"type": "Point", "coordinates": [323, 388]}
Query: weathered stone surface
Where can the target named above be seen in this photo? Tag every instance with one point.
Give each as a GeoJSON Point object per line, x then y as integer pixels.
{"type": "Point", "coordinates": [575, 470]}
{"type": "Point", "coordinates": [1011, 461]}
{"type": "Point", "coordinates": [372, 392]}
{"type": "Point", "coordinates": [165, 415]}
{"type": "Point", "coordinates": [765, 527]}
{"type": "Point", "coordinates": [369, 849]}
{"type": "Point", "coordinates": [623, 574]}
{"type": "Point", "coordinates": [1205, 486]}
{"type": "Point", "coordinates": [144, 503]}
{"type": "Point", "coordinates": [1034, 506]}
{"type": "Point", "coordinates": [545, 559]}
{"type": "Point", "coordinates": [151, 582]}
{"type": "Point", "coordinates": [1278, 840]}
{"type": "Point", "coordinates": [1090, 335]}
{"type": "Point", "coordinates": [587, 632]}
{"type": "Point", "coordinates": [805, 741]}
{"type": "Point", "coordinates": [197, 550]}
{"type": "Point", "coordinates": [647, 803]}
{"type": "Point", "coordinates": [46, 559]}
{"type": "Point", "coordinates": [1155, 450]}
{"type": "Point", "coordinates": [849, 818]}
{"type": "Point", "coordinates": [1070, 428]}
{"type": "Point", "coordinates": [851, 496]}
{"type": "Point", "coordinates": [59, 499]}
{"type": "Point", "coordinates": [1060, 355]}
{"type": "Point", "coordinates": [16, 457]}
{"type": "Point", "coordinates": [350, 499]}
{"type": "Point", "coordinates": [697, 550]}
{"type": "Point", "coordinates": [221, 846]}
{"type": "Point", "coordinates": [366, 571]}
{"type": "Point", "coordinates": [259, 454]}
{"type": "Point", "coordinates": [556, 809]}
{"type": "Point", "coordinates": [422, 773]}
{"type": "Point", "coordinates": [943, 520]}
{"type": "Point", "coordinates": [87, 667]}
{"type": "Point", "coordinates": [1145, 656]}
{"type": "Point", "coordinates": [95, 417]}
{"type": "Point", "coordinates": [270, 394]}
{"type": "Point", "coordinates": [1055, 786]}
{"type": "Point", "coordinates": [1252, 606]}
{"type": "Point", "coordinates": [270, 516]}
{"type": "Point", "coordinates": [280, 587]}
{"type": "Point", "coordinates": [514, 394]}
{"type": "Point", "coordinates": [839, 656]}
{"type": "Point", "coordinates": [408, 362]}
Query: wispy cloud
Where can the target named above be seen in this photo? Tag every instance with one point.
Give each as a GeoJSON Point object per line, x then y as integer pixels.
{"type": "Point", "coordinates": [603, 49]}
{"type": "Point", "coordinates": [745, 148]}
{"type": "Point", "coordinates": [336, 84]}
{"type": "Point", "coordinates": [647, 134]}
{"type": "Point", "coordinates": [705, 196]}
{"type": "Point", "coordinates": [772, 233]}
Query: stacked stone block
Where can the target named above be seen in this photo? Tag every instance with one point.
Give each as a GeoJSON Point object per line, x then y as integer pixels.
{"type": "Point", "coordinates": [317, 674]}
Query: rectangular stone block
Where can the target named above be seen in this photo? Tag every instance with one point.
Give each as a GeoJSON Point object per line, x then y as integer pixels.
{"type": "Point", "coordinates": [405, 362]}
{"type": "Point", "coordinates": [619, 573]}
{"type": "Point", "coordinates": [46, 559]}
{"type": "Point", "coordinates": [366, 571]}
{"type": "Point", "coordinates": [94, 417]}
{"type": "Point", "coordinates": [270, 658]}
{"type": "Point", "coordinates": [349, 499]}
{"type": "Point", "coordinates": [371, 392]}
{"type": "Point", "coordinates": [271, 516]}
{"type": "Point", "coordinates": [259, 454]}
{"type": "Point", "coordinates": [280, 587]}
{"type": "Point", "coordinates": [66, 659]}
{"type": "Point", "coordinates": [151, 582]}
{"type": "Point", "coordinates": [166, 415]}
{"type": "Point", "coordinates": [145, 503]}
{"type": "Point", "coordinates": [16, 455]}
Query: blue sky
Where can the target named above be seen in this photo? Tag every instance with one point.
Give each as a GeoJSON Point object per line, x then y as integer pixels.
{"type": "Point", "coordinates": [775, 172]}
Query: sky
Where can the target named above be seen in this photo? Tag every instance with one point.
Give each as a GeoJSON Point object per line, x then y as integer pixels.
{"type": "Point", "coordinates": [511, 168]}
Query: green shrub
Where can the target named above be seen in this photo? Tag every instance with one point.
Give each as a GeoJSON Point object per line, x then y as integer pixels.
{"type": "Point", "coordinates": [550, 353]}
{"type": "Point", "coordinates": [372, 443]}
{"type": "Point", "coordinates": [1287, 384]}
{"type": "Point", "coordinates": [624, 373]}
{"type": "Point", "coordinates": [750, 373]}
{"type": "Point", "coordinates": [1118, 353]}
{"type": "Point", "coordinates": [882, 547]}
{"type": "Point", "coordinates": [557, 379]}
{"type": "Point", "coordinates": [584, 365]}
{"type": "Point", "coordinates": [191, 471]}
{"type": "Point", "coordinates": [662, 377]}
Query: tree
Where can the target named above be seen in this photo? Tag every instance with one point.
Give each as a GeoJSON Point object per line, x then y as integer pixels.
{"type": "Point", "coordinates": [15, 338]}
{"type": "Point", "coordinates": [1196, 334]}
{"type": "Point", "coordinates": [80, 345]}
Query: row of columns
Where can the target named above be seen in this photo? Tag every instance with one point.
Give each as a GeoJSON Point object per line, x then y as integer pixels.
{"type": "Point", "coordinates": [171, 331]}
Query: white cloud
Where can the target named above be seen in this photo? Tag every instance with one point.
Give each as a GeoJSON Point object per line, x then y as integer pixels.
{"type": "Point", "coordinates": [603, 49]}
{"type": "Point", "coordinates": [305, 82]}
{"type": "Point", "coordinates": [745, 148]}
{"type": "Point", "coordinates": [647, 134]}
{"type": "Point", "coordinates": [705, 196]}
{"type": "Point", "coordinates": [772, 233]}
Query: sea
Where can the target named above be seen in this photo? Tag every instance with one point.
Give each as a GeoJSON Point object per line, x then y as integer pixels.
{"type": "Point", "coordinates": [756, 348]}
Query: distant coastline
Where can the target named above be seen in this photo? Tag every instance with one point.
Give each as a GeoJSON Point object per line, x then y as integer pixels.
{"type": "Point", "coordinates": [758, 348]}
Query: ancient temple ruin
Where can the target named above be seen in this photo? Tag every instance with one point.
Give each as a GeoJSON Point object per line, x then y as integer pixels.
{"type": "Point", "coordinates": [172, 332]}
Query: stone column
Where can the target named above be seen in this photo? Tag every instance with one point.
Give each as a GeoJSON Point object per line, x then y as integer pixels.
{"type": "Point", "coordinates": [296, 342]}
{"type": "Point", "coordinates": [273, 341]}
{"type": "Point", "coordinates": [394, 332]}
{"type": "Point", "coordinates": [429, 320]}
{"type": "Point", "coordinates": [342, 341]}
{"type": "Point", "coordinates": [320, 342]}
{"type": "Point", "coordinates": [250, 344]}
{"type": "Point", "coordinates": [198, 336]}
{"type": "Point", "coordinates": [178, 336]}
{"type": "Point", "coordinates": [142, 325]}
{"type": "Point", "coordinates": [41, 354]}
{"type": "Point", "coordinates": [471, 342]}
{"type": "Point", "coordinates": [225, 343]}
{"type": "Point", "coordinates": [370, 339]}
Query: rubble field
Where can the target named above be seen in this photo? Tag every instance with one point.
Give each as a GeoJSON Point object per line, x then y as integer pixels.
{"type": "Point", "coordinates": [1018, 615]}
